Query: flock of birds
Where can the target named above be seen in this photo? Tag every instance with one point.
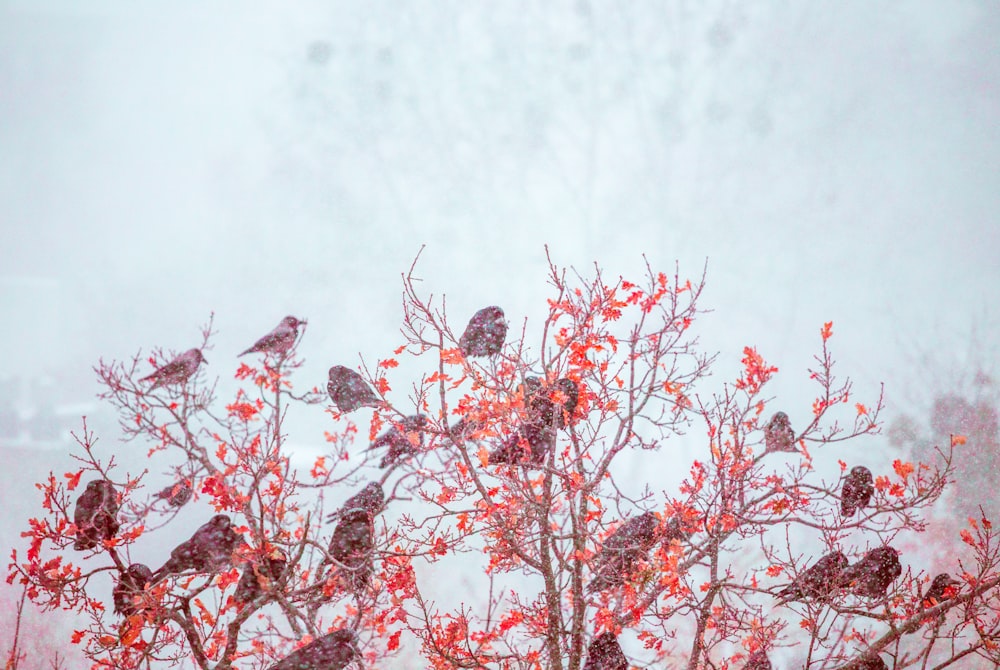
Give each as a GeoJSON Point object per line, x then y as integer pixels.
{"type": "Point", "coordinates": [212, 546]}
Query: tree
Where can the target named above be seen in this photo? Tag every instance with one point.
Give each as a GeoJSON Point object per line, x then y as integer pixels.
{"type": "Point", "coordinates": [570, 550]}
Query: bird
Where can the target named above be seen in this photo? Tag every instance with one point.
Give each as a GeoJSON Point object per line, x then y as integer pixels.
{"type": "Point", "coordinates": [348, 390]}
{"type": "Point", "coordinates": [542, 409]}
{"type": "Point", "coordinates": [403, 439]}
{"type": "Point", "coordinates": [818, 580]}
{"type": "Point", "coordinates": [873, 662]}
{"type": "Point", "coordinates": [132, 582]}
{"type": "Point", "coordinates": [209, 549]}
{"type": "Point", "coordinates": [352, 546]}
{"type": "Point", "coordinates": [758, 661]}
{"type": "Point", "coordinates": [259, 576]}
{"type": "Point", "coordinates": [96, 514]}
{"type": "Point", "coordinates": [279, 340]}
{"type": "Point", "coordinates": [604, 653]}
{"type": "Point", "coordinates": [485, 334]}
{"type": "Point", "coordinates": [942, 588]}
{"type": "Point", "coordinates": [622, 550]}
{"type": "Point", "coordinates": [857, 490]}
{"type": "Point", "coordinates": [333, 651]}
{"type": "Point", "coordinates": [369, 499]}
{"type": "Point", "coordinates": [778, 434]}
{"type": "Point", "coordinates": [177, 371]}
{"type": "Point", "coordinates": [177, 494]}
{"type": "Point", "coordinates": [529, 444]}
{"type": "Point", "coordinates": [872, 575]}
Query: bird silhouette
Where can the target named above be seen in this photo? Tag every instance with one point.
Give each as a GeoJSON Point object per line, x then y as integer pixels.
{"type": "Point", "coordinates": [177, 494]}
{"type": "Point", "coordinates": [857, 490]}
{"type": "Point", "coordinates": [604, 653]}
{"type": "Point", "coordinates": [208, 550]}
{"type": "Point", "coordinates": [259, 576]}
{"type": "Point", "coordinates": [529, 444]}
{"type": "Point", "coordinates": [132, 583]}
{"type": "Point", "coordinates": [622, 550]}
{"type": "Point", "coordinates": [778, 434]}
{"type": "Point", "coordinates": [279, 340]}
{"type": "Point", "coordinates": [758, 661]}
{"type": "Point", "coordinates": [349, 391]}
{"type": "Point", "coordinates": [872, 575]}
{"type": "Point", "coordinates": [333, 651]}
{"type": "Point", "coordinates": [942, 588]}
{"type": "Point", "coordinates": [353, 546]}
{"type": "Point", "coordinates": [873, 662]}
{"type": "Point", "coordinates": [403, 439]}
{"type": "Point", "coordinates": [485, 334]}
{"type": "Point", "coordinates": [369, 499]}
{"type": "Point", "coordinates": [96, 514]}
{"type": "Point", "coordinates": [177, 371]}
{"type": "Point", "coordinates": [818, 581]}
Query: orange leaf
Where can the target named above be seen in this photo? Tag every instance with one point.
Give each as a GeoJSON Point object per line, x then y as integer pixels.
{"type": "Point", "coordinates": [393, 643]}
{"type": "Point", "coordinates": [957, 440]}
{"type": "Point", "coordinates": [827, 330]}
{"type": "Point", "coordinates": [74, 480]}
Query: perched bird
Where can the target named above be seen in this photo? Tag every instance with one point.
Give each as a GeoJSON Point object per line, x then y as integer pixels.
{"type": "Point", "coordinates": [209, 549]}
{"type": "Point", "coordinates": [857, 490]}
{"type": "Point", "coordinates": [818, 581]}
{"type": "Point", "coordinates": [260, 576]}
{"type": "Point", "coordinates": [622, 550]}
{"type": "Point", "coordinates": [529, 444]}
{"type": "Point", "coordinates": [872, 575]}
{"type": "Point", "coordinates": [333, 651]}
{"type": "Point", "coordinates": [177, 494]}
{"type": "Point", "coordinates": [403, 439]}
{"type": "Point", "coordinates": [369, 499]}
{"type": "Point", "coordinates": [132, 582]}
{"type": "Point", "coordinates": [353, 546]}
{"type": "Point", "coordinates": [542, 409]}
{"type": "Point", "coordinates": [758, 661]}
{"type": "Point", "coordinates": [873, 662]}
{"type": "Point", "coordinates": [604, 653]}
{"type": "Point", "coordinates": [485, 333]}
{"type": "Point", "coordinates": [348, 390]}
{"type": "Point", "coordinates": [279, 340]}
{"type": "Point", "coordinates": [96, 514]}
{"type": "Point", "coordinates": [177, 371]}
{"type": "Point", "coordinates": [778, 434]}
{"type": "Point", "coordinates": [942, 588]}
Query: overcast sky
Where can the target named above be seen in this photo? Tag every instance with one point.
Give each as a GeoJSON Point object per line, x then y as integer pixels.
{"type": "Point", "coordinates": [829, 161]}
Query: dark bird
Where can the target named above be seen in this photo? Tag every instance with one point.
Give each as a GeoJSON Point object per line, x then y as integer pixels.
{"type": "Point", "coordinates": [132, 583]}
{"type": "Point", "coordinates": [604, 653]}
{"type": "Point", "coordinates": [622, 550]}
{"type": "Point", "coordinates": [403, 439]}
{"type": "Point", "coordinates": [177, 371]}
{"type": "Point", "coordinates": [279, 340]}
{"type": "Point", "coordinates": [177, 494]}
{"type": "Point", "coordinates": [758, 661]}
{"type": "Point", "coordinates": [778, 434]}
{"type": "Point", "coordinates": [529, 444]}
{"type": "Point", "coordinates": [873, 662]}
{"type": "Point", "coordinates": [209, 549]}
{"type": "Point", "coordinates": [353, 546]}
{"type": "Point", "coordinates": [543, 410]}
{"type": "Point", "coordinates": [485, 333]}
{"type": "Point", "coordinates": [857, 490]}
{"type": "Point", "coordinates": [369, 499]}
{"type": "Point", "coordinates": [872, 575]}
{"type": "Point", "coordinates": [260, 576]}
{"type": "Point", "coordinates": [348, 390]}
{"type": "Point", "coordinates": [96, 514]}
{"type": "Point", "coordinates": [942, 588]}
{"type": "Point", "coordinates": [818, 581]}
{"type": "Point", "coordinates": [333, 651]}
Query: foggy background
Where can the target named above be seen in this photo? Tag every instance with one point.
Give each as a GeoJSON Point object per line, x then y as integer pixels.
{"type": "Point", "coordinates": [828, 161]}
